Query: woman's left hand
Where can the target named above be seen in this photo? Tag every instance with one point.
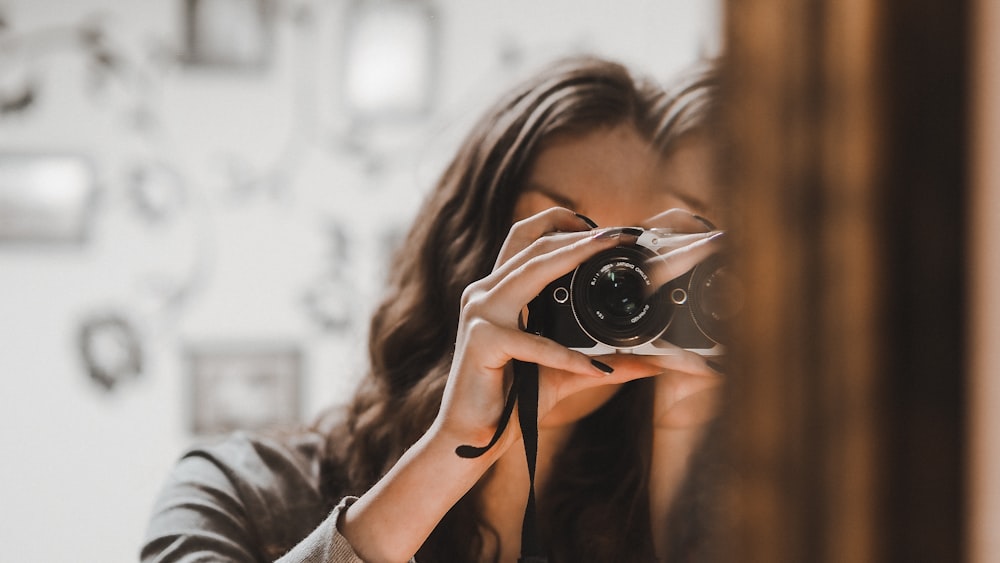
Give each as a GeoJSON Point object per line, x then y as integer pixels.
{"type": "Point", "coordinates": [688, 389]}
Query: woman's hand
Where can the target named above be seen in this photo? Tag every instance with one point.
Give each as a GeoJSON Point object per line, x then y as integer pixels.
{"type": "Point", "coordinates": [537, 250]}
{"type": "Point", "coordinates": [392, 520]}
{"type": "Point", "coordinates": [688, 388]}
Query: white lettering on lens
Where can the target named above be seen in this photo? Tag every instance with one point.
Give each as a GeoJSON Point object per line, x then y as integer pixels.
{"type": "Point", "coordinates": [639, 317]}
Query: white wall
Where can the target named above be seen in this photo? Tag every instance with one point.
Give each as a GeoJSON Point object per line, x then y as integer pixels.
{"type": "Point", "coordinates": [81, 466]}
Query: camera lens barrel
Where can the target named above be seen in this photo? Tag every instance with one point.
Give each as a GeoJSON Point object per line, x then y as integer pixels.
{"type": "Point", "coordinates": [615, 300]}
{"type": "Point", "coordinates": [616, 303]}
{"type": "Point", "coordinates": [717, 297]}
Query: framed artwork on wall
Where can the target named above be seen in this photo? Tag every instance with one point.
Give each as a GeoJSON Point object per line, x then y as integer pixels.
{"type": "Point", "coordinates": [46, 198]}
{"type": "Point", "coordinates": [244, 386]}
{"type": "Point", "coordinates": [228, 34]}
{"type": "Point", "coordinates": [390, 59]}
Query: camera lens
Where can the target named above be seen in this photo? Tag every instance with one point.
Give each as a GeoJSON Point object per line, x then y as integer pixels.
{"type": "Point", "coordinates": [717, 297]}
{"type": "Point", "coordinates": [614, 300]}
{"type": "Point", "coordinates": [721, 295]}
{"type": "Point", "coordinates": [620, 291]}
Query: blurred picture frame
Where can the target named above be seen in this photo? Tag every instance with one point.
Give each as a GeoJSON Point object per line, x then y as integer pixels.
{"type": "Point", "coordinates": [244, 386]}
{"type": "Point", "coordinates": [390, 59]}
{"type": "Point", "coordinates": [228, 34]}
{"type": "Point", "coordinates": [46, 199]}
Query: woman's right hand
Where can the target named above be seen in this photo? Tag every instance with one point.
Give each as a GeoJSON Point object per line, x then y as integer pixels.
{"type": "Point", "coordinates": [392, 520]}
{"type": "Point", "coordinates": [537, 250]}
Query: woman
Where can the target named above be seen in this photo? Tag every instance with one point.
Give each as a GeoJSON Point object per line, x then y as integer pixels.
{"type": "Point", "coordinates": [510, 214]}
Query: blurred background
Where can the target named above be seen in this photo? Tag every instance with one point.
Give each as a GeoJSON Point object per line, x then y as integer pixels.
{"type": "Point", "coordinates": [198, 199]}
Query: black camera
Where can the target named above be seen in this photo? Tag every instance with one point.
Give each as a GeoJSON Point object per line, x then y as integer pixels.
{"type": "Point", "coordinates": [610, 304]}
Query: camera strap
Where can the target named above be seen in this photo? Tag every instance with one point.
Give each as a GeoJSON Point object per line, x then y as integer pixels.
{"type": "Point", "coordinates": [527, 417]}
{"type": "Point", "coordinates": [524, 392]}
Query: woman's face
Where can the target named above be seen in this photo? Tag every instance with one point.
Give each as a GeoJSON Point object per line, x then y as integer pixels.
{"type": "Point", "coordinates": [615, 178]}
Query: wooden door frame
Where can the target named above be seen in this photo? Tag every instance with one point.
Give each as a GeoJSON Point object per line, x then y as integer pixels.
{"type": "Point", "coordinates": [845, 123]}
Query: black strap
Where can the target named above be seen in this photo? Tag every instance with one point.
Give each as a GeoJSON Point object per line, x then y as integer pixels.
{"type": "Point", "coordinates": [523, 391]}
{"type": "Point", "coordinates": [526, 378]}
{"type": "Point", "coordinates": [469, 452]}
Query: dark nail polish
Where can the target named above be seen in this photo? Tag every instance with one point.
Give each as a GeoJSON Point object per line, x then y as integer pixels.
{"type": "Point", "coordinates": [711, 226]}
{"type": "Point", "coordinates": [602, 366]}
{"type": "Point", "coordinates": [590, 223]}
{"type": "Point", "coordinates": [716, 366]}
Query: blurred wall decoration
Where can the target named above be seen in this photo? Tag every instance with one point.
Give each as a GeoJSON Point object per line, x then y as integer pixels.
{"type": "Point", "coordinates": [243, 386]}
{"type": "Point", "coordinates": [199, 201]}
{"type": "Point", "coordinates": [110, 349]}
{"type": "Point", "coordinates": [228, 34]}
{"type": "Point", "coordinates": [45, 198]}
{"type": "Point", "coordinates": [389, 62]}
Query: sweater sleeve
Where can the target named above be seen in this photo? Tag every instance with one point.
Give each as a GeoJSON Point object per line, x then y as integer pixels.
{"type": "Point", "coordinates": [325, 544]}
{"type": "Point", "coordinates": [244, 501]}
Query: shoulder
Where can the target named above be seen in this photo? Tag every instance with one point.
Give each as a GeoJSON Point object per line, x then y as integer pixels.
{"type": "Point", "coordinates": [279, 475]}
{"type": "Point", "coordinates": [262, 493]}
{"type": "Point", "coordinates": [282, 462]}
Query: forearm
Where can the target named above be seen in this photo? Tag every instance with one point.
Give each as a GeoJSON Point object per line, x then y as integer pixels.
{"type": "Point", "coordinates": [391, 521]}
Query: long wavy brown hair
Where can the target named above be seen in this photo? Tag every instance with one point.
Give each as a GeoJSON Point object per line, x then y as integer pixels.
{"type": "Point", "coordinates": [604, 470]}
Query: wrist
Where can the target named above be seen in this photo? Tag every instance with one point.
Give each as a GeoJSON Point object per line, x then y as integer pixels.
{"type": "Point", "coordinates": [444, 437]}
{"type": "Point", "coordinates": [393, 519]}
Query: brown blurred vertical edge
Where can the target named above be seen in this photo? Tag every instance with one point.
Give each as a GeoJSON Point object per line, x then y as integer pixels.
{"type": "Point", "coordinates": [984, 298]}
{"type": "Point", "coordinates": [845, 160]}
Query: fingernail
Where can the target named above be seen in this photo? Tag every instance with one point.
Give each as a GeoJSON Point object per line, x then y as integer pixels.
{"type": "Point", "coordinates": [590, 223]}
{"type": "Point", "coordinates": [602, 366]}
{"type": "Point", "coordinates": [711, 226]}
{"type": "Point", "coordinates": [716, 366]}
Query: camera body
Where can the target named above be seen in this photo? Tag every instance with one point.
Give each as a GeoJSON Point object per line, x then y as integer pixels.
{"type": "Point", "coordinates": [609, 304]}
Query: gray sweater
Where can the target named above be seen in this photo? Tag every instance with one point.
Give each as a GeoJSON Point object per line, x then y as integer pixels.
{"type": "Point", "coordinates": [250, 498]}
{"type": "Point", "coordinates": [247, 499]}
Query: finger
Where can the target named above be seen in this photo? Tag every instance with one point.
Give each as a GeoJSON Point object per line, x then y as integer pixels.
{"type": "Point", "coordinates": [540, 247]}
{"type": "Point", "coordinates": [666, 267]}
{"type": "Point", "coordinates": [502, 344]}
{"type": "Point", "coordinates": [672, 241]}
{"type": "Point", "coordinates": [625, 368]}
{"type": "Point", "coordinates": [675, 358]}
{"type": "Point", "coordinates": [676, 378]}
{"type": "Point", "coordinates": [680, 220]}
{"type": "Point", "coordinates": [527, 231]}
{"type": "Point", "coordinates": [520, 280]}
{"type": "Point", "coordinates": [545, 245]}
